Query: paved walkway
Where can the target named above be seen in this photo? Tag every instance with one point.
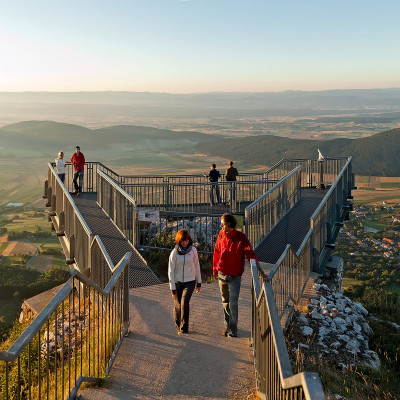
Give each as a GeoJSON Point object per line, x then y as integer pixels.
{"type": "Point", "coordinates": [156, 363]}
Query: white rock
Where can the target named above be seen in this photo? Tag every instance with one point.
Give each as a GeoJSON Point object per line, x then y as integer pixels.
{"type": "Point", "coordinates": [356, 327]}
{"type": "Point", "coordinates": [323, 332]}
{"type": "Point", "coordinates": [316, 315]}
{"type": "Point", "coordinates": [306, 330]}
{"type": "Point", "coordinates": [322, 300]}
{"type": "Point", "coordinates": [339, 321]}
{"type": "Point", "coordinates": [373, 360]}
{"type": "Point", "coordinates": [367, 329]}
{"type": "Point", "coordinates": [302, 320]}
{"type": "Point", "coordinates": [353, 345]}
{"type": "Point", "coordinates": [304, 346]}
{"type": "Point", "coordinates": [361, 308]}
{"type": "Point", "coordinates": [335, 345]}
{"type": "Point", "coordinates": [347, 310]}
{"type": "Point", "coordinates": [344, 338]}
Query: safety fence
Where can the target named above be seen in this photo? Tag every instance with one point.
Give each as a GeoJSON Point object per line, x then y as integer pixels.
{"type": "Point", "coordinates": [75, 235]}
{"type": "Point", "coordinates": [274, 375]}
{"type": "Point", "coordinates": [203, 197]}
{"type": "Point", "coordinates": [327, 218]}
{"type": "Point", "coordinates": [313, 171]}
{"type": "Point", "coordinates": [290, 274]}
{"type": "Point", "coordinates": [73, 340]}
{"type": "Point", "coordinates": [265, 212]}
{"type": "Point", "coordinates": [118, 205]}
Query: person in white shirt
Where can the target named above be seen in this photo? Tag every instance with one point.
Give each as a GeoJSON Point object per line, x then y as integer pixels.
{"type": "Point", "coordinates": [60, 165]}
{"type": "Point", "coordinates": [184, 275]}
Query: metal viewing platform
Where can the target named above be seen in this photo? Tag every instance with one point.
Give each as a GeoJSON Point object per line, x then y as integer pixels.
{"type": "Point", "coordinates": [75, 339]}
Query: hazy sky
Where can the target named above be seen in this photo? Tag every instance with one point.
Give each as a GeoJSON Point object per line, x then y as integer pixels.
{"type": "Point", "coordinates": [183, 46]}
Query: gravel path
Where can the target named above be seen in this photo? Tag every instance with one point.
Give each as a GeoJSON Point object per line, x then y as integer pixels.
{"type": "Point", "coordinates": [156, 363]}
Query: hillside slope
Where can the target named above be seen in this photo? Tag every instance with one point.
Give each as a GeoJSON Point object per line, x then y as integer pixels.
{"type": "Point", "coordinates": [375, 155]}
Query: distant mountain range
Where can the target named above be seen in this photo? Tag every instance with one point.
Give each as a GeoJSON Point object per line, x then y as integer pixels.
{"type": "Point", "coordinates": [48, 136]}
{"type": "Point", "coordinates": [375, 155]}
{"type": "Point", "coordinates": [378, 154]}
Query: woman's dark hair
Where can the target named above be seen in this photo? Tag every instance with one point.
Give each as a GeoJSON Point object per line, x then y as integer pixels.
{"type": "Point", "coordinates": [183, 234]}
{"type": "Point", "coordinates": [229, 219]}
{"type": "Point", "coordinates": [213, 166]}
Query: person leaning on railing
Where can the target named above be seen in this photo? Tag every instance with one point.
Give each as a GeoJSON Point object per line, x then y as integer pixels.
{"type": "Point", "coordinates": [230, 251]}
{"type": "Point", "coordinates": [78, 161]}
{"type": "Point", "coordinates": [213, 177]}
{"type": "Point", "coordinates": [183, 273]}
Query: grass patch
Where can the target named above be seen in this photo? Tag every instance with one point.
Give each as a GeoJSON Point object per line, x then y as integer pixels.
{"type": "Point", "coordinates": [389, 185]}
{"type": "Point", "coordinates": [395, 289]}
{"type": "Point", "coordinates": [3, 246]}
{"type": "Point", "coordinates": [375, 225]}
{"type": "Point", "coordinates": [347, 282]}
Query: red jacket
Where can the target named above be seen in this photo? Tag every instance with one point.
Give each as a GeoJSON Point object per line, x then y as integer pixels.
{"type": "Point", "coordinates": [78, 161]}
{"type": "Point", "coordinates": [229, 253]}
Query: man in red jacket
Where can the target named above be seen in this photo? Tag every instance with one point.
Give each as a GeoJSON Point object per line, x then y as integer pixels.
{"type": "Point", "coordinates": [230, 251]}
{"type": "Point", "coordinates": [78, 161]}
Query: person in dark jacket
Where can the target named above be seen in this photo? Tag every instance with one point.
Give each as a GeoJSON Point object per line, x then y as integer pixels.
{"type": "Point", "coordinates": [213, 177]}
{"type": "Point", "coordinates": [231, 249]}
{"type": "Point", "coordinates": [184, 275]}
{"type": "Point", "coordinates": [78, 161]}
{"type": "Point", "coordinates": [230, 175]}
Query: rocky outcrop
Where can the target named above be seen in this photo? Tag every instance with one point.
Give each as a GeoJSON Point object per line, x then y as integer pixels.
{"type": "Point", "coordinates": [337, 329]}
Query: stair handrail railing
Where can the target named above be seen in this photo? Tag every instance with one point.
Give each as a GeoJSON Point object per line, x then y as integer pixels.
{"type": "Point", "coordinates": [263, 214]}
{"type": "Point", "coordinates": [274, 375]}
{"type": "Point", "coordinates": [74, 339]}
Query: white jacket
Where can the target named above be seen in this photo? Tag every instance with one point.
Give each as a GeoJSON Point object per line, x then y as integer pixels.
{"type": "Point", "coordinates": [183, 268]}
{"type": "Point", "coordinates": [60, 165]}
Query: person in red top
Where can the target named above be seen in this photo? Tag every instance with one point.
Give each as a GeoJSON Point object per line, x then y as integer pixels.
{"type": "Point", "coordinates": [231, 249]}
{"type": "Point", "coordinates": [78, 161]}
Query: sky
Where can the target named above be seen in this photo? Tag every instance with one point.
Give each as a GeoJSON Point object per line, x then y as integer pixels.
{"type": "Point", "coordinates": [191, 46]}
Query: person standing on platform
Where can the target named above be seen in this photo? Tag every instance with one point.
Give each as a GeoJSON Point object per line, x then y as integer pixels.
{"type": "Point", "coordinates": [60, 165]}
{"type": "Point", "coordinates": [78, 161]}
{"type": "Point", "coordinates": [213, 177]}
{"type": "Point", "coordinates": [184, 276]}
{"type": "Point", "coordinates": [230, 175]}
{"type": "Point", "coordinates": [231, 249]}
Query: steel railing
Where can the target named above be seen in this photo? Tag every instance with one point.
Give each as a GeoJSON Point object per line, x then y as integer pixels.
{"type": "Point", "coordinates": [74, 339]}
{"type": "Point", "coordinates": [118, 205]}
{"type": "Point", "coordinates": [274, 375]}
{"type": "Point", "coordinates": [196, 197]}
{"type": "Point", "coordinates": [290, 274]}
{"type": "Point", "coordinates": [327, 218]}
{"type": "Point", "coordinates": [264, 213]}
{"type": "Point", "coordinates": [311, 170]}
{"type": "Point", "coordinates": [75, 235]}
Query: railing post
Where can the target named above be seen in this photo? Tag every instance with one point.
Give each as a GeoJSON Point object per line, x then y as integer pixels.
{"type": "Point", "coordinates": [126, 297]}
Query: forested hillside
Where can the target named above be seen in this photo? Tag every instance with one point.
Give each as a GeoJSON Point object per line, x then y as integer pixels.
{"type": "Point", "coordinates": [375, 155]}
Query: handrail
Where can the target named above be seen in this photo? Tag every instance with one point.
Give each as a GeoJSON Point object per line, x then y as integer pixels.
{"type": "Point", "coordinates": [68, 196]}
{"type": "Point", "coordinates": [18, 346]}
{"type": "Point", "coordinates": [331, 189]}
{"type": "Point", "coordinates": [274, 373]}
{"type": "Point", "coordinates": [117, 187]}
{"type": "Point", "coordinates": [279, 183]}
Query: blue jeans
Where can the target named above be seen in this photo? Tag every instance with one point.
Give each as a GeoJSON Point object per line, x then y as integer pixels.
{"type": "Point", "coordinates": [232, 191]}
{"type": "Point", "coordinates": [229, 287]}
{"type": "Point", "coordinates": [184, 291]}
{"type": "Point", "coordinates": [62, 177]}
{"type": "Point", "coordinates": [78, 174]}
{"type": "Point", "coordinates": [214, 187]}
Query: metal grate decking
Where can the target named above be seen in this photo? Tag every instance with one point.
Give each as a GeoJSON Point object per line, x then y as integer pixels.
{"type": "Point", "coordinates": [115, 243]}
{"type": "Point", "coordinates": [292, 228]}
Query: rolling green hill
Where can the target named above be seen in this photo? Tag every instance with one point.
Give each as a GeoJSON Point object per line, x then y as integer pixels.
{"type": "Point", "coordinates": [375, 155]}
{"type": "Point", "coordinates": [46, 138]}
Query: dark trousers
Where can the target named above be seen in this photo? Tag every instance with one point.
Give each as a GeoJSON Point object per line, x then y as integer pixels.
{"type": "Point", "coordinates": [184, 291]}
{"type": "Point", "coordinates": [78, 174]}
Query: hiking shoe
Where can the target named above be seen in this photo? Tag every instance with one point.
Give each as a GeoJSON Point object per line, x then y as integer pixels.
{"type": "Point", "coordinates": [225, 332]}
{"type": "Point", "coordinates": [230, 334]}
{"type": "Point", "coordinates": [74, 192]}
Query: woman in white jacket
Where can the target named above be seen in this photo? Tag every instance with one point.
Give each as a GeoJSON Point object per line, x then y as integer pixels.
{"type": "Point", "coordinates": [183, 273]}
{"type": "Point", "coordinates": [60, 165]}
